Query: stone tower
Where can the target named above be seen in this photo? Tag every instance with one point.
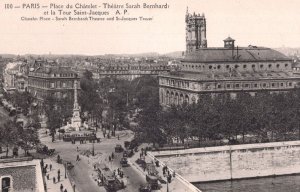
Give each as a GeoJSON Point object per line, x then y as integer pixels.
{"type": "Point", "coordinates": [195, 31]}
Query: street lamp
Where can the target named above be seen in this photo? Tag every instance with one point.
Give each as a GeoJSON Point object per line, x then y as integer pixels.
{"type": "Point", "coordinates": [65, 170]}
{"type": "Point", "coordinates": [93, 151]}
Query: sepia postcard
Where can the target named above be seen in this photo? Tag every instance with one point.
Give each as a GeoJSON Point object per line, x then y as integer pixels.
{"type": "Point", "coordinates": [149, 95]}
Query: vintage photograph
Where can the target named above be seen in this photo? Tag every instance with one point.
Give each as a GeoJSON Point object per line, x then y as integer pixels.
{"type": "Point", "coordinates": [150, 96]}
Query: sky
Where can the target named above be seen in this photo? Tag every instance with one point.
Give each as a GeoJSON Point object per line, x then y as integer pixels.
{"type": "Point", "coordinates": [268, 23]}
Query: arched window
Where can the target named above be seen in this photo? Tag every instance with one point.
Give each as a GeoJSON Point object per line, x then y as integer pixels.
{"type": "Point", "coordinates": [187, 99]}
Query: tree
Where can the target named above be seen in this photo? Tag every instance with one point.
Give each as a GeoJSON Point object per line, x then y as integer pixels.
{"type": "Point", "coordinates": [28, 139]}
{"type": "Point", "coordinates": [54, 115]}
{"type": "Point", "coordinates": [9, 135]}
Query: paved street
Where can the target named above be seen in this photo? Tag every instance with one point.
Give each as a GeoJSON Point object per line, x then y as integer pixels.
{"type": "Point", "coordinates": [83, 174]}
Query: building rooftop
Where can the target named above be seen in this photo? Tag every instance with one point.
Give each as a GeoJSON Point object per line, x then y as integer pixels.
{"type": "Point", "coordinates": [231, 76]}
{"type": "Point", "coordinates": [25, 173]}
{"type": "Point", "coordinates": [237, 54]}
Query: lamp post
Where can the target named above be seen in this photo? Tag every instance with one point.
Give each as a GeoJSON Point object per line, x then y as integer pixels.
{"type": "Point", "coordinates": [65, 170]}
{"type": "Point", "coordinates": [93, 150]}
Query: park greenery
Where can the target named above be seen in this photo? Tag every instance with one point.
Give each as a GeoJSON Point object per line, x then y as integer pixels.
{"type": "Point", "coordinates": [266, 117]}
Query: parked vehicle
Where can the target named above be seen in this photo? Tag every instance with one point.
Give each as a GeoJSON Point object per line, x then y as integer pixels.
{"type": "Point", "coordinates": [128, 153]}
{"type": "Point", "coordinates": [145, 188]}
{"type": "Point", "coordinates": [43, 149]}
{"type": "Point", "coordinates": [124, 162]}
{"type": "Point", "coordinates": [119, 148]}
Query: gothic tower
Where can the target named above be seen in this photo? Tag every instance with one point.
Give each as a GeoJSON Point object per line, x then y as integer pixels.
{"type": "Point", "coordinates": [195, 31]}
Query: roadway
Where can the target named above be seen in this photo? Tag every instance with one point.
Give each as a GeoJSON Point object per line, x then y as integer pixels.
{"type": "Point", "coordinates": [83, 174]}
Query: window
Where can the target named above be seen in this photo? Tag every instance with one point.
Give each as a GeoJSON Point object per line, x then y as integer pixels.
{"type": "Point", "coordinates": [51, 85]}
{"type": "Point", "coordinates": [261, 66]}
{"type": "Point", "coordinates": [273, 84]}
{"type": "Point", "coordinates": [210, 67]}
{"type": "Point", "coordinates": [264, 84]}
{"type": "Point", "coordinates": [6, 184]}
{"type": "Point", "coordinates": [247, 85]}
{"type": "Point", "coordinates": [270, 65]}
{"type": "Point", "coordinates": [236, 66]}
{"type": "Point", "coordinates": [227, 66]}
{"type": "Point", "coordinates": [219, 86]}
{"type": "Point", "coordinates": [253, 66]}
{"type": "Point", "coordinates": [286, 65]}
{"type": "Point", "coordinates": [245, 66]}
{"type": "Point", "coordinates": [277, 65]}
{"type": "Point", "coordinates": [281, 84]}
{"type": "Point", "coordinates": [219, 66]}
{"type": "Point", "coordinates": [237, 85]}
{"type": "Point", "coordinates": [228, 85]}
{"type": "Point", "coordinates": [255, 85]}
{"type": "Point", "coordinates": [290, 84]}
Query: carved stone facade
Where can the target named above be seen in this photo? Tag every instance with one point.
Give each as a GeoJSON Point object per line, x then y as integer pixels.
{"type": "Point", "coordinates": [195, 31]}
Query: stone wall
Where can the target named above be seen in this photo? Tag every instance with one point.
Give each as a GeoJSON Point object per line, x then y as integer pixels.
{"type": "Point", "coordinates": [234, 162]}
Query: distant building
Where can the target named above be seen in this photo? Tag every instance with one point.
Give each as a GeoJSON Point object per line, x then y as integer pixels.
{"type": "Point", "coordinates": [228, 69]}
{"type": "Point", "coordinates": [21, 175]}
{"type": "Point", "coordinates": [51, 81]}
{"type": "Point", "coordinates": [15, 76]}
{"type": "Point", "coordinates": [130, 71]}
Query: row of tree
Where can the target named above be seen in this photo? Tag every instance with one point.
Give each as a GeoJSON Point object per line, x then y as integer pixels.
{"type": "Point", "coordinates": [265, 117]}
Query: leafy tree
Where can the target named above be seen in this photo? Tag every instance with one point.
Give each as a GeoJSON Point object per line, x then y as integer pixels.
{"type": "Point", "coordinates": [9, 135]}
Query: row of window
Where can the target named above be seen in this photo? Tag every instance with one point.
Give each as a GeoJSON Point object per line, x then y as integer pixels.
{"type": "Point", "coordinates": [52, 75]}
{"type": "Point", "coordinates": [47, 84]}
{"type": "Point", "coordinates": [138, 68]}
{"type": "Point", "coordinates": [130, 72]}
{"type": "Point", "coordinates": [251, 85]}
{"type": "Point", "coordinates": [183, 84]}
{"type": "Point", "coordinates": [236, 66]}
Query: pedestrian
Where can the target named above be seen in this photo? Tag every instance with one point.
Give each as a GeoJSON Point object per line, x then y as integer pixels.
{"type": "Point", "coordinates": [77, 148]}
{"type": "Point", "coordinates": [47, 176]}
{"type": "Point", "coordinates": [58, 158]}
{"type": "Point", "coordinates": [74, 187]}
{"type": "Point", "coordinates": [174, 173]}
{"type": "Point", "coordinates": [46, 166]}
{"type": "Point", "coordinates": [65, 190]}
{"type": "Point", "coordinates": [46, 132]}
{"type": "Point", "coordinates": [42, 163]}
{"type": "Point", "coordinates": [61, 187]}
{"type": "Point", "coordinates": [77, 159]}
{"type": "Point", "coordinates": [58, 178]}
{"type": "Point", "coordinates": [112, 155]}
{"type": "Point", "coordinates": [58, 172]}
{"type": "Point", "coordinates": [118, 137]}
{"type": "Point", "coordinates": [109, 158]}
{"type": "Point", "coordinates": [53, 179]}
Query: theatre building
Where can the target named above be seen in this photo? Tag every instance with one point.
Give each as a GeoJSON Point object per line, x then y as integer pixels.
{"type": "Point", "coordinates": [228, 69]}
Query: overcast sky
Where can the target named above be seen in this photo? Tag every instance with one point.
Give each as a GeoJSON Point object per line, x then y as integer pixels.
{"type": "Point", "coordinates": [269, 23]}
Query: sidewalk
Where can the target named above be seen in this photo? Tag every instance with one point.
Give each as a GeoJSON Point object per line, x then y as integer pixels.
{"type": "Point", "coordinates": [55, 187]}
{"type": "Point", "coordinates": [178, 184]}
